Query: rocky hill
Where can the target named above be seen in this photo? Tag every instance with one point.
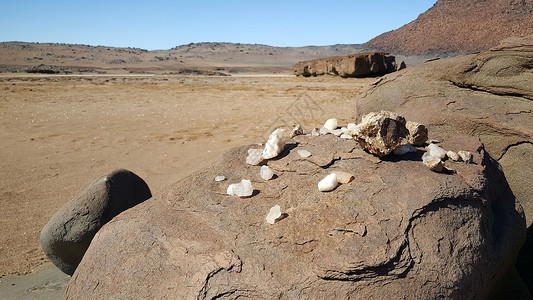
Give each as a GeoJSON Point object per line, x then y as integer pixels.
{"type": "Point", "coordinates": [453, 27]}
{"type": "Point", "coordinates": [200, 58]}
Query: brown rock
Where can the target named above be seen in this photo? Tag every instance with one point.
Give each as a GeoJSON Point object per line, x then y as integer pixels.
{"type": "Point", "coordinates": [381, 133]}
{"type": "Point", "coordinates": [356, 65]}
{"type": "Point", "coordinates": [67, 235]}
{"type": "Point", "coordinates": [396, 229]}
{"type": "Point", "coordinates": [418, 133]}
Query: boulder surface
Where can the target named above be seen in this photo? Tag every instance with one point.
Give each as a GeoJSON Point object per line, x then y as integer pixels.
{"type": "Point", "coordinates": [487, 95]}
{"type": "Point", "coordinates": [396, 229]}
{"type": "Point", "coordinates": [67, 235]}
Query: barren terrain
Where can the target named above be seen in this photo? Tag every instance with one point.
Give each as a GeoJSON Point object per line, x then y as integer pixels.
{"type": "Point", "coordinates": [454, 27]}
{"type": "Point", "coordinates": [60, 133]}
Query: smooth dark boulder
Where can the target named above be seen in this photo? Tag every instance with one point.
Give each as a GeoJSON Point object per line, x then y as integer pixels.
{"type": "Point", "coordinates": [397, 230]}
{"type": "Point", "coordinates": [356, 65]}
{"type": "Point", "coordinates": [67, 235]}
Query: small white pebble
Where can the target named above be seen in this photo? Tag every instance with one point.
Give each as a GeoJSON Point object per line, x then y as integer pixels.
{"type": "Point", "coordinates": [241, 189]}
{"type": "Point", "coordinates": [266, 172]}
{"type": "Point", "coordinates": [255, 157]}
{"type": "Point", "coordinates": [220, 178]}
{"type": "Point", "coordinates": [465, 156]}
{"type": "Point", "coordinates": [453, 156]}
{"type": "Point", "coordinates": [343, 177]}
{"type": "Point", "coordinates": [404, 149]}
{"type": "Point", "coordinates": [324, 131]}
{"type": "Point", "coordinates": [315, 132]}
{"type": "Point", "coordinates": [346, 136]}
{"type": "Point", "coordinates": [329, 183]}
{"type": "Point", "coordinates": [304, 153]}
{"type": "Point", "coordinates": [275, 213]}
{"type": "Point", "coordinates": [436, 151]}
{"type": "Point", "coordinates": [433, 163]}
{"type": "Point", "coordinates": [331, 124]}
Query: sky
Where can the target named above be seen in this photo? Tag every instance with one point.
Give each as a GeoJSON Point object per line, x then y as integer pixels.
{"type": "Point", "coordinates": [158, 24]}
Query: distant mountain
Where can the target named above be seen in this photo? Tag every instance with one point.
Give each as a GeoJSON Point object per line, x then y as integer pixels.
{"type": "Point", "coordinates": [453, 27]}
{"type": "Point", "coordinates": [194, 58]}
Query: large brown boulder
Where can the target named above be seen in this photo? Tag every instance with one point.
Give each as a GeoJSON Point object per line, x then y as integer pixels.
{"type": "Point", "coordinates": [67, 235]}
{"type": "Point", "coordinates": [487, 95]}
{"type": "Point", "coordinates": [356, 65]}
{"type": "Point", "coordinates": [396, 229]}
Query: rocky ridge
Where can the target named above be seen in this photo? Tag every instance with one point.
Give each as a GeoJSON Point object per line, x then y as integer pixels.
{"type": "Point", "coordinates": [454, 27]}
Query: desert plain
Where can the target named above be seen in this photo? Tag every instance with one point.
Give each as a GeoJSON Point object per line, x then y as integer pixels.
{"type": "Point", "coordinates": [60, 133]}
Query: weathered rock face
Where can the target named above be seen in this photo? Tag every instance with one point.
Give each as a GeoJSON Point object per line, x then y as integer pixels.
{"type": "Point", "coordinates": [356, 65]}
{"type": "Point", "coordinates": [396, 229]}
{"type": "Point", "coordinates": [505, 70]}
{"type": "Point", "coordinates": [67, 235]}
{"type": "Point", "coordinates": [487, 95]}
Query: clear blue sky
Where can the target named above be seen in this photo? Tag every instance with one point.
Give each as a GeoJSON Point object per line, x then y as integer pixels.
{"type": "Point", "coordinates": [158, 24]}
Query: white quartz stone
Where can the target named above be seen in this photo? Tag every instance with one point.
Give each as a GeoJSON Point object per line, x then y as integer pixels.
{"type": "Point", "coordinates": [331, 124]}
{"type": "Point", "coordinates": [315, 132]}
{"type": "Point", "coordinates": [324, 131]}
{"type": "Point", "coordinates": [343, 177]}
{"type": "Point", "coordinates": [275, 144]}
{"type": "Point", "coordinates": [329, 183]}
{"type": "Point", "coordinates": [465, 156]}
{"type": "Point", "coordinates": [275, 213]}
{"type": "Point", "coordinates": [346, 136]}
{"type": "Point", "coordinates": [436, 151]}
{"type": "Point", "coordinates": [255, 157]}
{"type": "Point", "coordinates": [266, 172]}
{"type": "Point", "coordinates": [404, 149]}
{"type": "Point", "coordinates": [297, 130]}
{"type": "Point", "coordinates": [241, 189]}
{"type": "Point", "coordinates": [433, 163]}
{"type": "Point", "coordinates": [304, 153]}
{"type": "Point", "coordinates": [453, 155]}
{"type": "Point", "coordinates": [220, 178]}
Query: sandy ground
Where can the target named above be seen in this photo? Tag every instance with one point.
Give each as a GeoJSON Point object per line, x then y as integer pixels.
{"type": "Point", "coordinates": [59, 133]}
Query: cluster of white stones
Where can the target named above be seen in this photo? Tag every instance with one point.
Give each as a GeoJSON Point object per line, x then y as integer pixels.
{"type": "Point", "coordinates": [435, 156]}
{"type": "Point", "coordinates": [417, 136]}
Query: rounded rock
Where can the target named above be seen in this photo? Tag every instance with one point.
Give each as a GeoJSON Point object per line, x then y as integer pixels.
{"type": "Point", "coordinates": [329, 183]}
{"type": "Point", "coordinates": [66, 237]}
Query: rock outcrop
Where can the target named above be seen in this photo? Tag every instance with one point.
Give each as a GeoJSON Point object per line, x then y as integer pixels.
{"type": "Point", "coordinates": [457, 26]}
{"type": "Point", "coordinates": [67, 235]}
{"type": "Point", "coordinates": [487, 95]}
{"type": "Point", "coordinates": [356, 65]}
{"type": "Point", "coordinates": [396, 229]}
